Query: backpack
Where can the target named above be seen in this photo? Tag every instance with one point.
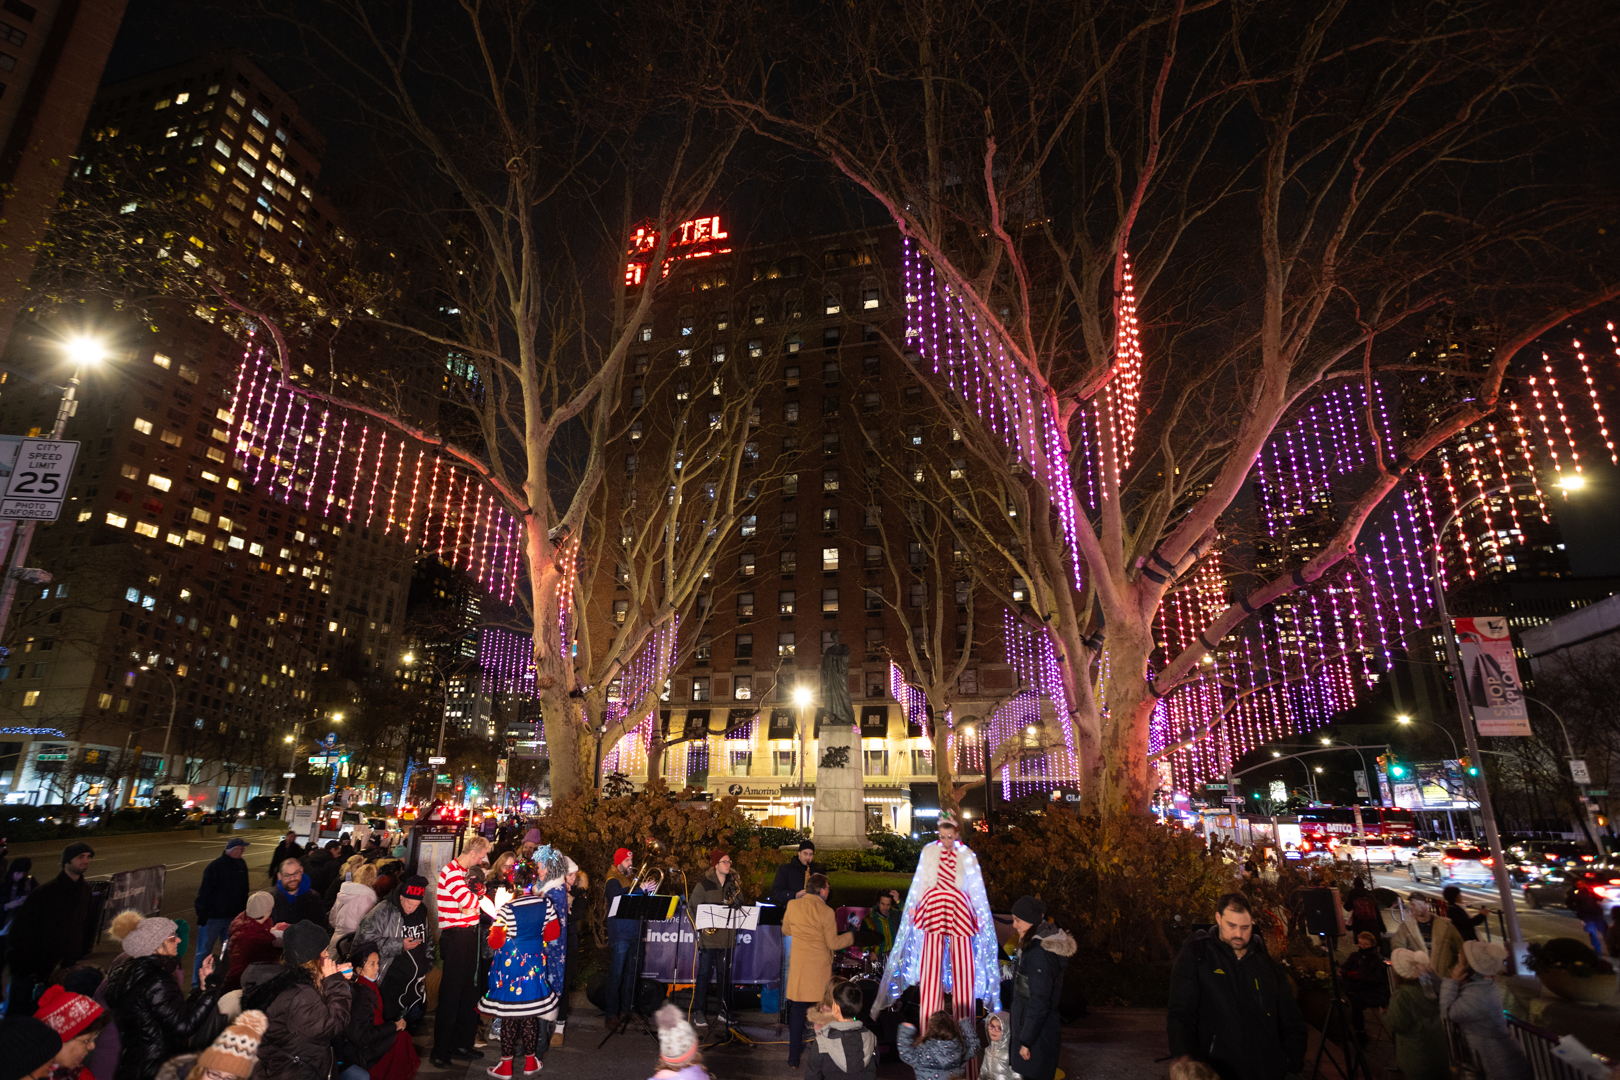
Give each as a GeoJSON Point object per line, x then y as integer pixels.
{"type": "Point", "coordinates": [1364, 909]}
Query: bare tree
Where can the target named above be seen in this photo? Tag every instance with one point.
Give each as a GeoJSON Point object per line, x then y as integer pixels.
{"type": "Point", "coordinates": [1310, 194]}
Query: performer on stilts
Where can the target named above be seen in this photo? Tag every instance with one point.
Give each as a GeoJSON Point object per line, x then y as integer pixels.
{"type": "Point", "coordinates": [947, 938]}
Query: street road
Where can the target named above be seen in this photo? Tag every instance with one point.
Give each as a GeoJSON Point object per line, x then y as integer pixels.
{"type": "Point", "coordinates": [1536, 925]}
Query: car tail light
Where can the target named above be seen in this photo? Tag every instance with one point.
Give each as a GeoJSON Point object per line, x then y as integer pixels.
{"type": "Point", "coordinates": [1488, 862]}
{"type": "Point", "coordinates": [1448, 860]}
{"type": "Point", "coordinates": [1588, 858]}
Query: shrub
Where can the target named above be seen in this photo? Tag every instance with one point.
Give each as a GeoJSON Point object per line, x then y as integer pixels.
{"type": "Point", "coordinates": [901, 851]}
{"type": "Point", "coordinates": [861, 861]}
{"type": "Point", "coordinates": [1567, 954]}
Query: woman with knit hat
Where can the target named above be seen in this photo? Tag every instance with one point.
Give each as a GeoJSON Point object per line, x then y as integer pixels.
{"type": "Point", "coordinates": [526, 975]}
{"type": "Point", "coordinates": [252, 941]}
{"type": "Point", "coordinates": [1470, 999]}
{"type": "Point", "coordinates": [1413, 1018]}
{"type": "Point", "coordinates": [231, 1056]}
{"type": "Point", "coordinates": [77, 1020]}
{"type": "Point", "coordinates": [306, 1002]}
{"type": "Point", "coordinates": [155, 1019]}
{"type": "Point", "coordinates": [678, 1055]}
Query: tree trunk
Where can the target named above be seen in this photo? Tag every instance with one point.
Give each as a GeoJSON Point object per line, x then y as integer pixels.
{"type": "Point", "coordinates": [569, 743]}
{"type": "Point", "coordinates": [1125, 787]}
{"type": "Point", "coordinates": [944, 760]}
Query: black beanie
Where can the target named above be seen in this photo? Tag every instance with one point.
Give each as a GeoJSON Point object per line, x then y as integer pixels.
{"type": "Point", "coordinates": [1030, 909]}
{"type": "Point", "coordinates": [302, 942]}
{"type": "Point", "coordinates": [26, 1043]}
{"type": "Point", "coordinates": [807, 845]}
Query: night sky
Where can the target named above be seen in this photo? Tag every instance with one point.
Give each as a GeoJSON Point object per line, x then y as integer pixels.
{"type": "Point", "coordinates": [159, 33]}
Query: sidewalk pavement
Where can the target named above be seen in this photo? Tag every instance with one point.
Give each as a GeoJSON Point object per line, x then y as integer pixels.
{"type": "Point", "coordinates": [1106, 1044]}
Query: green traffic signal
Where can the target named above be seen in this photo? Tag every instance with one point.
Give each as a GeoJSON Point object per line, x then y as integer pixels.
{"type": "Point", "coordinates": [1397, 770]}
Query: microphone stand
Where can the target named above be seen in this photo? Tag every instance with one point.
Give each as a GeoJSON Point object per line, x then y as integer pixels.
{"type": "Point", "coordinates": [634, 974]}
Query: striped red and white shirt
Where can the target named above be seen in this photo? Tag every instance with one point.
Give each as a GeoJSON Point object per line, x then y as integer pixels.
{"type": "Point", "coordinates": [458, 907]}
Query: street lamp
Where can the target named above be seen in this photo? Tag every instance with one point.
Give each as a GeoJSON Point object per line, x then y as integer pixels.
{"type": "Point", "coordinates": [174, 699]}
{"type": "Point", "coordinates": [1465, 711]}
{"type": "Point", "coordinates": [84, 351]}
{"type": "Point", "coordinates": [802, 698]}
{"type": "Point", "coordinates": [444, 715]}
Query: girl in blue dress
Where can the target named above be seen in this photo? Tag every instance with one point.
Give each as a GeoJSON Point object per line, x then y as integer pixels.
{"type": "Point", "coordinates": [526, 973]}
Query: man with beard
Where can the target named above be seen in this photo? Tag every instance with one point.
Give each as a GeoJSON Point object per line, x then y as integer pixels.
{"type": "Point", "coordinates": [400, 928]}
{"type": "Point", "coordinates": [48, 929]}
{"type": "Point", "coordinates": [1231, 1006]}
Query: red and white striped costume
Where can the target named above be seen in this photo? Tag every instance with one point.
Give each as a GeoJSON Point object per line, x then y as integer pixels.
{"type": "Point", "coordinates": [946, 918]}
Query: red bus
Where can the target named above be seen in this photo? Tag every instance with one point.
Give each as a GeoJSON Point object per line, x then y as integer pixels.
{"type": "Point", "coordinates": [1325, 826]}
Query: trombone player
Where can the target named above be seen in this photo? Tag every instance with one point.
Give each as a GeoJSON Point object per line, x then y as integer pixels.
{"type": "Point", "coordinates": [623, 933]}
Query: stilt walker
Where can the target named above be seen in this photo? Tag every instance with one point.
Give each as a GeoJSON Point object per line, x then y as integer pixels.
{"type": "Point", "coordinates": [947, 938]}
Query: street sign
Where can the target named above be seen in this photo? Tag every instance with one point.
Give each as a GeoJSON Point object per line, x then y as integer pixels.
{"type": "Point", "coordinates": [437, 760]}
{"type": "Point", "coordinates": [288, 775]}
{"type": "Point", "coordinates": [1233, 800]}
{"type": "Point", "coordinates": [1215, 787]}
{"type": "Point", "coordinates": [38, 482]}
{"type": "Point", "coordinates": [1577, 770]}
{"type": "Point", "coordinates": [1599, 792]}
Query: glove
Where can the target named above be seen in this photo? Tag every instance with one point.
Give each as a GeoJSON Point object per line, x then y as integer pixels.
{"type": "Point", "coordinates": [497, 935]}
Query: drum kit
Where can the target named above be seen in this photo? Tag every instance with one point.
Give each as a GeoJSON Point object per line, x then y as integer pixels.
{"type": "Point", "coordinates": [857, 963]}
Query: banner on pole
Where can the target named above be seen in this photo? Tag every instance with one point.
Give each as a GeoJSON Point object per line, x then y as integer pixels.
{"type": "Point", "coordinates": [1491, 675]}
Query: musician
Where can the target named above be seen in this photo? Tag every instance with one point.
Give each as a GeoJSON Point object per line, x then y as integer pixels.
{"type": "Point", "coordinates": [788, 886]}
{"type": "Point", "coordinates": [947, 939]}
{"type": "Point", "coordinates": [884, 919]}
{"type": "Point", "coordinates": [622, 937]}
{"type": "Point", "coordinates": [719, 886]}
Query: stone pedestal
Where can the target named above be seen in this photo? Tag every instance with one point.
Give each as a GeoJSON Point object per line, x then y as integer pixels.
{"type": "Point", "coordinates": [839, 820]}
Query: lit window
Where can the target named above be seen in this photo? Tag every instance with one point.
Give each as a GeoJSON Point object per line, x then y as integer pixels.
{"type": "Point", "coordinates": [162, 483]}
{"type": "Point", "coordinates": [869, 299]}
{"type": "Point", "coordinates": [117, 521]}
{"type": "Point", "coordinates": [31, 698]}
{"type": "Point", "coordinates": [161, 361]}
{"type": "Point", "coordinates": [171, 438]}
{"type": "Point", "coordinates": [146, 528]}
{"type": "Point", "coordinates": [742, 687]}
{"type": "Point", "coordinates": [86, 515]}
{"type": "Point", "coordinates": [829, 558]}
{"type": "Point", "coordinates": [163, 104]}
{"type": "Point", "coordinates": [104, 701]}
{"type": "Point", "coordinates": [256, 549]}
{"type": "Point", "coordinates": [176, 539]}
{"type": "Point", "coordinates": [786, 600]}
{"type": "Point", "coordinates": [143, 426]}
{"type": "Point", "coordinates": [829, 600]}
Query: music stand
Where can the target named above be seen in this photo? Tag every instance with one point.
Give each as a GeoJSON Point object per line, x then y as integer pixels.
{"type": "Point", "coordinates": [725, 917]}
{"type": "Point", "coordinates": [640, 908]}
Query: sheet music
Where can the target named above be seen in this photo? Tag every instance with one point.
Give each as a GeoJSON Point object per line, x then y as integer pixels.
{"type": "Point", "coordinates": [721, 917]}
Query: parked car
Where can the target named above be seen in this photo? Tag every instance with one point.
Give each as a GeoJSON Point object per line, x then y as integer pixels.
{"type": "Point", "coordinates": [1530, 859]}
{"type": "Point", "coordinates": [1378, 850]}
{"type": "Point", "coordinates": [1452, 864]}
{"type": "Point", "coordinates": [266, 806]}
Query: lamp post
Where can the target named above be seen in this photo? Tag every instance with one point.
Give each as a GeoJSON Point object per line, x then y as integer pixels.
{"type": "Point", "coordinates": [444, 715]}
{"type": "Point", "coordinates": [129, 794]}
{"type": "Point", "coordinates": [174, 700]}
{"type": "Point", "coordinates": [1580, 789]}
{"type": "Point", "coordinates": [1406, 718]}
{"type": "Point", "coordinates": [1465, 711]}
{"type": "Point", "coordinates": [83, 351]}
{"type": "Point", "coordinates": [802, 698]}
{"type": "Point", "coordinates": [292, 766]}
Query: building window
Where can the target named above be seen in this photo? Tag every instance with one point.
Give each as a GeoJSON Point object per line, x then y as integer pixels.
{"type": "Point", "coordinates": [829, 406]}
{"type": "Point", "coordinates": [717, 354]}
{"type": "Point", "coordinates": [871, 402]}
{"type": "Point", "coordinates": [742, 687]}
{"type": "Point", "coordinates": [756, 349]}
{"type": "Point", "coordinates": [874, 599]}
{"type": "Point", "coordinates": [969, 683]}
{"type": "Point", "coordinates": [874, 643]}
{"type": "Point", "coordinates": [876, 762]}
{"type": "Point", "coordinates": [829, 638]}
{"type": "Point", "coordinates": [831, 304]}
{"type": "Point", "coordinates": [645, 333]}
{"type": "Point", "coordinates": [958, 468]}
{"type": "Point", "coordinates": [741, 762]}
{"type": "Point", "coordinates": [919, 593]}
{"type": "Point", "coordinates": [829, 369]}
{"type": "Point", "coordinates": [1020, 589]}
{"type": "Point", "coordinates": [31, 698]}
{"type": "Point", "coordinates": [785, 601]}
{"type": "Point", "coordinates": [745, 565]}
{"type": "Point", "coordinates": [745, 605]}
{"type": "Point", "coordinates": [743, 646]}
{"type": "Point", "coordinates": [919, 639]}
{"type": "Point", "coordinates": [638, 397]}
{"type": "Point", "coordinates": [829, 444]}
{"type": "Point", "coordinates": [621, 611]}
{"type": "Point", "coordinates": [630, 461]}
{"type": "Point", "coordinates": [914, 553]}
{"type": "Point", "coordinates": [829, 480]}
{"type": "Point", "coordinates": [784, 762]}
{"type": "Point", "coordinates": [784, 644]}
{"type": "Point", "coordinates": [829, 519]}
{"type": "Point", "coordinates": [829, 601]}
{"type": "Point", "coordinates": [961, 593]}
{"type": "Point", "coordinates": [829, 558]}
{"type": "Point", "coordinates": [869, 299]}
{"type": "Point", "coordinates": [750, 524]}
{"type": "Point", "coordinates": [830, 338]}
{"type": "Point", "coordinates": [922, 763]}
{"type": "Point", "coordinates": [705, 650]}
{"type": "Point", "coordinates": [790, 412]}
{"type": "Point", "coordinates": [874, 555]}
{"type": "Point", "coordinates": [756, 314]}
{"type": "Point", "coordinates": [790, 377]}
{"type": "Point", "coordinates": [700, 688]}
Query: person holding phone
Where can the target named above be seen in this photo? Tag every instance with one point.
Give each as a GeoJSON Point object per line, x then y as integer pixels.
{"type": "Point", "coordinates": [307, 1001]}
{"type": "Point", "coordinates": [372, 1046]}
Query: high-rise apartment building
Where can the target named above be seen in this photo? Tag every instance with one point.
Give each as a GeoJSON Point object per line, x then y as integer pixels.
{"type": "Point", "coordinates": [52, 53]}
{"type": "Point", "coordinates": [191, 608]}
{"type": "Point", "coordinates": [846, 533]}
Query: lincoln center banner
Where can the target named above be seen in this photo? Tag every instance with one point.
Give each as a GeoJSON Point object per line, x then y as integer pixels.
{"type": "Point", "coordinates": [141, 890]}
{"type": "Point", "coordinates": [672, 949]}
{"type": "Point", "coordinates": [1491, 674]}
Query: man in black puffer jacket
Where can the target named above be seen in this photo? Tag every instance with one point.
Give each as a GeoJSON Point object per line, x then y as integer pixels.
{"type": "Point", "coordinates": [1231, 1005]}
{"type": "Point", "coordinates": [1037, 990]}
{"type": "Point", "coordinates": [155, 1019]}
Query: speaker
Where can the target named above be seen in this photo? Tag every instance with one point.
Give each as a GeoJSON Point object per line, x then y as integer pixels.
{"type": "Point", "coordinates": [650, 993]}
{"type": "Point", "coordinates": [1323, 910]}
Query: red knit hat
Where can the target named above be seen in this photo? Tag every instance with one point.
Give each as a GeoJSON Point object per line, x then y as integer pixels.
{"type": "Point", "coordinates": [716, 855]}
{"type": "Point", "coordinates": [622, 854]}
{"type": "Point", "coordinates": [67, 1013]}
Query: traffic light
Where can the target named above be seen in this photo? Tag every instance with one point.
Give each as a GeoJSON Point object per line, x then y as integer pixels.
{"type": "Point", "coordinates": [1391, 766]}
{"type": "Point", "coordinates": [1468, 768]}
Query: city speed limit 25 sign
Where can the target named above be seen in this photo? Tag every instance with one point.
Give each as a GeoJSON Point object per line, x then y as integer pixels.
{"type": "Point", "coordinates": [38, 483]}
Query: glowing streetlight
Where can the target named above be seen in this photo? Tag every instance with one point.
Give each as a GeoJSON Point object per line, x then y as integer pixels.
{"type": "Point", "coordinates": [1327, 742]}
{"type": "Point", "coordinates": [801, 696]}
{"type": "Point", "coordinates": [1572, 482]}
{"type": "Point", "coordinates": [1276, 753]}
{"type": "Point", "coordinates": [1403, 718]}
{"type": "Point", "coordinates": [83, 349]}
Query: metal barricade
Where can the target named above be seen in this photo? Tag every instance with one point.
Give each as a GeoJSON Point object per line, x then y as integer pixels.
{"type": "Point", "coordinates": [1538, 1046]}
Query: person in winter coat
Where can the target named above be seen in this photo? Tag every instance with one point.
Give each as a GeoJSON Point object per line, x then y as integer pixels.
{"type": "Point", "coordinates": [1470, 999]}
{"type": "Point", "coordinates": [678, 1055]}
{"type": "Point", "coordinates": [251, 941]}
{"type": "Point", "coordinates": [843, 1047]}
{"type": "Point", "coordinates": [1255, 1034]}
{"type": "Point", "coordinates": [232, 1055]}
{"type": "Point", "coordinates": [791, 880]}
{"type": "Point", "coordinates": [306, 1002]}
{"type": "Point", "coordinates": [354, 902]}
{"type": "Point", "coordinates": [622, 937]}
{"type": "Point", "coordinates": [1043, 953]}
{"type": "Point", "coordinates": [526, 976]}
{"type": "Point", "coordinates": [329, 894]}
{"type": "Point", "coordinates": [296, 899]}
{"type": "Point", "coordinates": [941, 1052]}
{"type": "Point", "coordinates": [155, 1019]}
{"type": "Point", "coordinates": [401, 929]}
{"type": "Point", "coordinates": [578, 884]}
{"type": "Point", "coordinates": [79, 1021]}
{"type": "Point", "coordinates": [289, 848]}
{"type": "Point", "coordinates": [322, 865]}
{"type": "Point", "coordinates": [997, 1061]}
{"type": "Point", "coordinates": [1362, 908]}
{"type": "Point", "coordinates": [27, 1048]}
{"type": "Point", "coordinates": [1366, 981]}
{"type": "Point", "coordinates": [1437, 939]}
{"type": "Point", "coordinates": [1413, 1018]}
{"type": "Point", "coordinates": [813, 927]}
{"type": "Point", "coordinates": [721, 888]}
{"type": "Point", "coordinates": [381, 1047]}
{"type": "Point", "coordinates": [1457, 912]}
{"type": "Point", "coordinates": [16, 882]}
{"type": "Point", "coordinates": [221, 898]}
{"type": "Point", "coordinates": [49, 929]}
